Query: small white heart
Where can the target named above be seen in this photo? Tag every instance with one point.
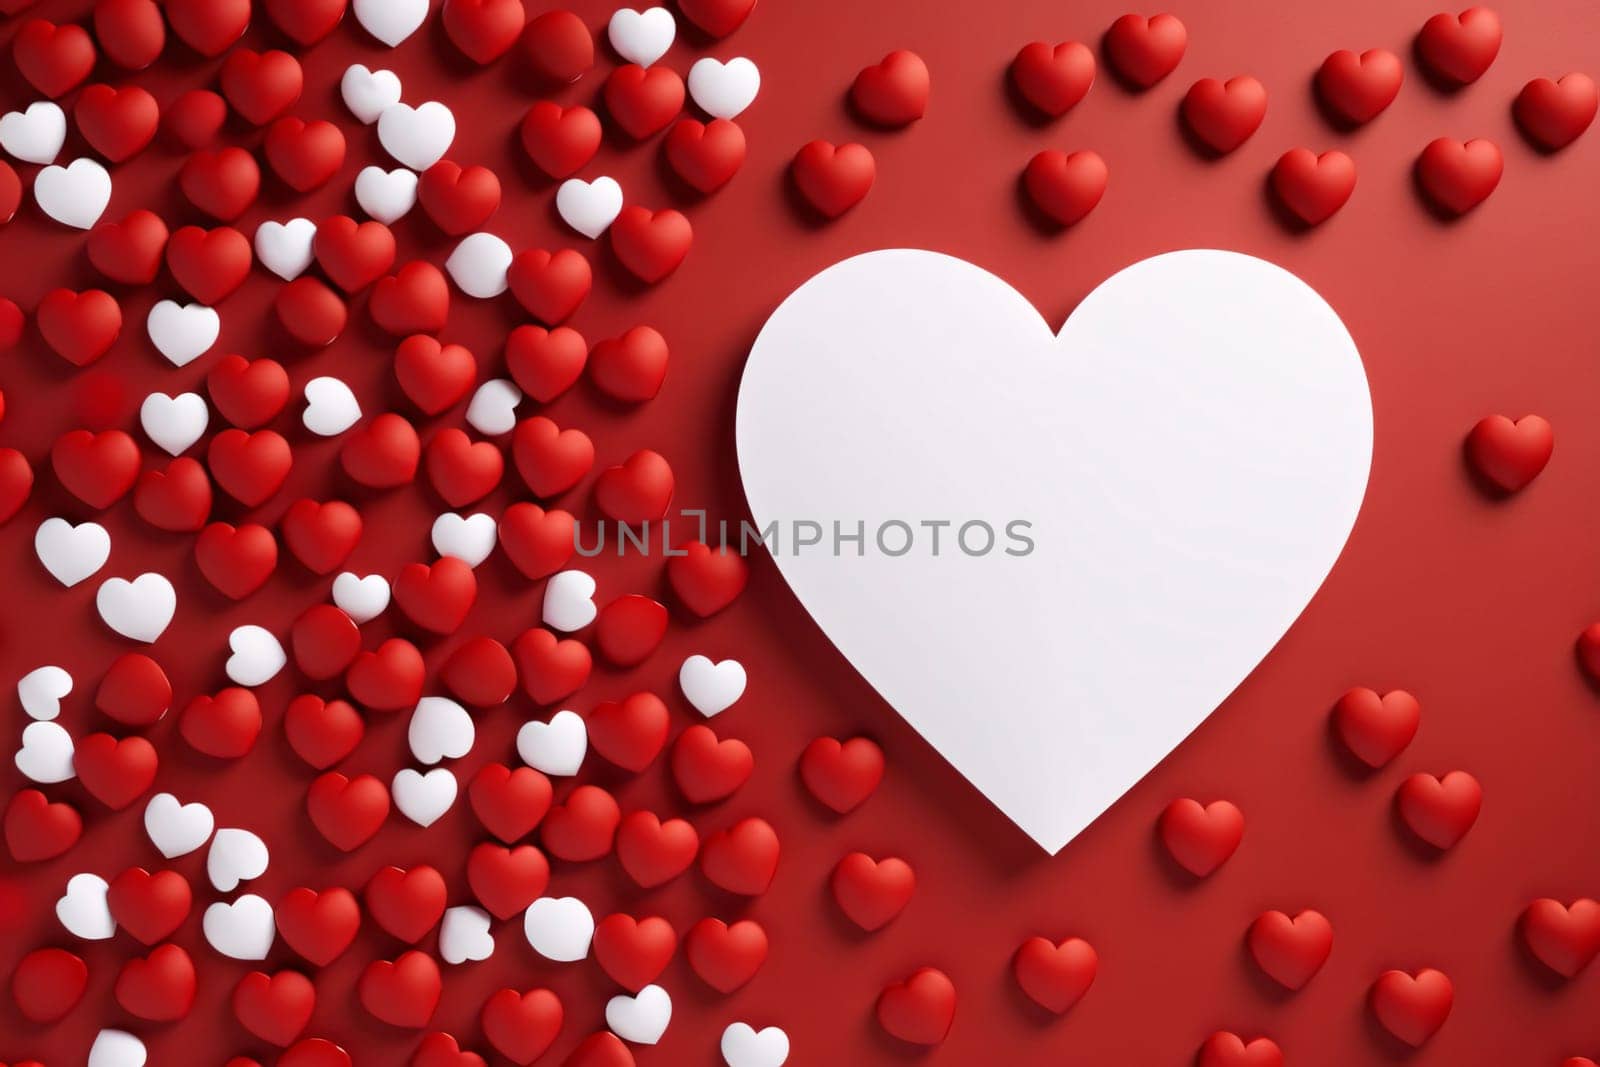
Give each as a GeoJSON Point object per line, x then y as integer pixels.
{"type": "Point", "coordinates": [71, 553]}
{"type": "Point", "coordinates": [440, 729]}
{"type": "Point", "coordinates": [174, 423]}
{"type": "Point", "coordinates": [386, 195]}
{"type": "Point", "coordinates": [139, 610]}
{"type": "Point", "coordinates": [556, 747]}
{"type": "Point", "coordinates": [723, 90]}
{"type": "Point", "coordinates": [422, 798]}
{"type": "Point", "coordinates": [35, 135]}
{"type": "Point", "coordinates": [390, 21]}
{"type": "Point", "coordinates": [257, 656]}
{"type": "Point", "coordinates": [464, 935]}
{"type": "Point", "coordinates": [589, 207]}
{"type": "Point", "coordinates": [417, 136]}
{"type": "Point", "coordinates": [479, 264]}
{"type": "Point", "coordinates": [367, 92]}
{"type": "Point", "coordinates": [241, 930]}
{"type": "Point", "coordinates": [116, 1048]}
{"type": "Point", "coordinates": [75, 195]}
{"type": "Point", "coordinates": [642, 37]}
{"type": "Point", "coordinates": [286, 248]}
{"type": "Point", "coordinates": [177, 829]}
{"type": "Point", "coordinates": [493, 410]}
{"type": "Point", "coordinates": [236, 856]}
{"type": "Point", "coordinates": [744, 1046]}
{"type": "Point", "coordinates": [711, 687]}
{"type": "Point", "coordinates": [469, 539]}
{"type": "Point", "coordinates": [642, 1018]}
{"type": "Point", "coordinates": [183, 332]}
{"type": "Point", "coordinates": [363, 599]}
{"type": "Point", "coordinates": [83, 909]}
{"type": "Point", "coordinates": [559, 928]}
{"type": "Point", "coordinates": [331, 407]}
{"type": "Point", "coordinates": [46, 753]}
{"type": "Point", "coordinates": [40, 691]}
{"type": "Point", "coordinates": [569, 601]}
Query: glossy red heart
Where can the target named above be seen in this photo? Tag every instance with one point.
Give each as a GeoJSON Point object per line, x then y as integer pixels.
{"type": "Point", "coordinates": [460, 469]}
{"type": "Point", "coordinates": [160, 987]}
{"type": "Point", "coordinates": [1507, 454]}
{"type": "Point", "coordinates": [1377, 729]}
{"type": "Point", "coordinates": [129, 251]}
{"type": "Point", "coordinates": [131, 32]}
{"type": "Point", "coordinates": [352, 254]}
{"type": "Point", "coordinates": [442, 1050]}
{"type": "Point", "coordinates": [37, 828]}
{"type": "Point", "coordinates": [872, 892]}
{"type": "Point", "coordinates": [1458, 176]}
{"type": "Point", "coordinates": [718, 18]}
{"type": "Point", "coordinates": [322, 732]}
{"type": "Point", "coordinates": [47, 984]}
{"type": "Point", "coordinates": [549, 459]}
{"type": "Point", "coordinates": [742, 859]}
{"type": "Point", "coordinates": [1440, 810]}
{"type": "Point", "coordinates": [1313, 187]}
{"type": "Point", "coordinates": [480, 672]}
{"type": "Point", "coordinates": [1053, 79]}
{"type": "Point", "coordinates": [506, 880]}
{"type": "Point", "coordinates": [655, 852]}
{"type": "Point", "coordinates": [1565, 938]}
{"type": "Point", "coordinates": [894, 91]}
{"type": "Point", "coordinates": [97, 468]}
{"type": "Point", "coordinates": [148, 906]}
{"type": "Point", "coordinates": [54, 59]}
{"type": "Point", "coordinates": [388, 679]}
{"type": "Point", "coordinates": [1223, 115]}
{"type": "Point", "coordinates": [522, 1026]}
{"type": "Point", "coordinates": [551, 668]}
{"type": "Point", "coordinates": [920, 1009]}
{"type": "Point", "coordinates": [135, 691]}
{"type": "Point", "coordinates": [538, 542]}
{"type": "Point", "coordinates": [117, 123]}
{"type": "Point", "coordinates": [318, 926]}
{"type": "Point", "coordinates": [651, 244]}
{"type": "Point", "coordinates": [557, 47]}
{"type": "Point", "coordinates": [842, 776]}
{"type": "Point", "coordinates": [321, 535]}
{"type": "Point", "coordinates": [459, 200]}
{"type": "Point", "coordinates": [312, 313]}
{"type": "Point", "coordinates": [209, 264]}
{"type": "Point", "coordinates": [248, 393]}
{"type": "Point", "coordinates": [195, 118]}
{"type": "Point", "coordinates": [116, 773]}
{"type": "Point", "coordinates": [1065, 186]}
{"type": "Point", "coordinates": [484, 30]}
{"type": "Point", "coordinates": [208, 26]}
{"type": "Point", "coordinates": [1291, 951]}
{"type": "Point", "coordinates": [1413, 1007]}
{"type": "Point", "coordinates": [1225, 1049]}
{"type": "Point", "coordinates": [833, 179]}
{"type": "Point", "coordinates": [632, 951]}
{"type": "Point", "coordinates": [406, 904]}
{"type": "Point", "coordinates": [434, 376]}
{"type": "Point", "coordinates": [637, 491]}
{"type": "Point", "coordinates": [545, 363]}
{"type": "Point", "coordinates": [1055, 975]}
{"type": "Point", "coordinates": [560, 140]}
{"type": "Point", "coordinates": [628, 630]}
{"type": "Point", "coordinates": [224, 726]}
{"type": "Point", "coordinates": [275, 1008]}
{"type": "Point", "coordinates": [582, 827]}
{"type": "Point", "coordinates": [1554, 113]}
{"type": "Point", "coordinates": [415, 300]}
{"type": "Point", "coordinates": [250, 466]}
{"type": "Point", "coordinates": [630, 368]}
{"type": "Point", "coordinates": [509, 803]}
{"type": "Point", "coordinates": [1144, 50]}
{"type": "Point", "coordinates": [1357, 88]}
{"type": "Point", "coordinates": [260, 86]}
{"type": "Point", "coordinates": [706, 769]}
{"type": "Point", "coordinates": [79, 327]}
{"type": "Point", "coordinates": [643, 100]}
{"type": "Point", "coordinates": [726, 957]}
{"type": "Point", "coordinates": [631, 732]}
{"type": "Point", "coordinates": [347, 811]}
{"type": "Point", "coordinates": [306, 21]}
{"type": "Point", "coordinates": [550, 286]}
{"type": "Point", "coordinates": [402, 993]}
{"type": "Point", "coordinates": [304, 154]}
{"type": "Point", "coordinates": [177, 499]}
{"type": "Point", "coordinates": [236, 560]}
{"type": "Point", "coordinates": [1458, 49]}
{"type": "Point", "coordinates": [382, 454]}
{"type": "Point", "coordinates": [705, 155]}
{"type": "Point", "coordinates": [221, 182]}
{"type": "Point", "coordinates": [706, 581]}
{"type": "Point", "coordinates": [1199, 838]}
{"type": "Point", "coordinates": [325, 641]}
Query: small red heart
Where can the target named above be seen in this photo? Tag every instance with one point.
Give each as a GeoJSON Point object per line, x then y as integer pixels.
{"type": "Point", "coordinates": [1201, 838]}
{"type": "Point", "coordinates": [325, 641]}
{"type": "Point", "coordinates": [1313, 186]}
{"type": "Point", "coordinates": [209, 264]}
{"type": "Point", "coordinates": [382, 454]}
{"type": "Point", "coordinates": [637, 491]}
{"type": "Point", "coordinates": [248, 393]}
{"type": "Point", "coordinates": [1554, 113]}
{"type": "Point", "coordinates": [406, 904]}
{"type": "Point", "coordinates": [630, 733]}
{"type": "Point", "coordinates": [480, 672]}
{"type": "Point", "coordinates": [304, 154]}
{"type": "Point", "coordinates": [149, 906]}
{"type": "Point", "coordinates": [1144, 50]}
{"type": "Point", "coordinates": [97, 468]}
{"type": "Point", "coordinates": [79, 327]}
{"type": "Point", "coordinates": [726, 957]}
{"type": "Point", "coordinates": [1377, 729]}
{"type": "Point", "coordinates": [321, 535]}
{"type": "Point", "coordinates": [209, 26]}
{"type": "Point", "coordinates": [414, 300]}
{"type": "Point", "coordinates": [550, 286]}
{"type": "Point", "coordinates": [484, 30]}
{"type": "Point", "coordinates": [116, 773]}
{"type": "Point", "coordinates": [558, 48]}
{"type": "Point", "coordinates": [1458, 176]}
{"type": "Point", "coordinates": [10, 200]}
{"type": "Point", "coordinates": [1510, 454]}
{"type": "Point", "coordinates": [54, 59]}
{"type": "Point", "coordinates": [707, 769]}
{"type": "Point", "coordinates": [16, 482]}
{"type": "Point", "coordinates": [632, 367]}
{"type": "Point", "coordinates": [1412, 1008]}
{"type": "Point", "coordinates": [1440, 811]}
{"type": "Point", "coordinates": [352, 254]}
{"type": "Point", "coordinates": [551, 668]}
{"type": "Point", "coordinates": [159, 987]}
{"type": "Point", "coordinates": [275, 1008]}
{"type": "Point", "coordinates": [545, 363]}
{"type": "Point", "coordinates": [224, 726]}
{"type": "Point", "coordinates": [872, 892]}
{"type": "Point", "coordinates": [522, 1026]}
{"type": "Point", "coordinates": [842, 776]}
{"type": "Point", "coordinates": [310, 312]}
{"type": "Point", "coordinates": [322, 732]}
{"type": "Point", "coordinates": [314, 1052]}
{"type": "Point", "coordinates": [583, 827]}
{"type": "Point", "coordinates": [549, 459]}
{"type": "Point", "coordinates": [717, 18]}
{"type": "Point", "coordinates": [560, 140]}
{"type": "Point", "coordinates": [403, 993]}
{"type": "Point", "coordinates": [459, 200]}
{"type": "Point", "coordinates": [1053, 79]}
{"type": "Point", "coordinates": [1055, 975]}
{"type": "Point", "coordinates": [1224, 1049]}
{"type": "Point", "coordinates": [1564, 938]}
{"type": "Point", "coordinates": [462, 470]}
{"type": "Point", "coordinates": [47, 984]}
{"type": "Point", "coordinates": [706, 581]}
{"type": "Point", "coordinates": [1066, 185]}
{"type": "Point", "coordinates": [920, 1009]}
{"type": "Point", "coordinates": [306, 21]}
{"type": "Point", "coordinates": [318, 926]}
{"type": "Point", "coordinates": [442, 1050]}
{"type": "Point", "coordinates": [538, 542]}
{"type": "Point", "coordinates": [643, 101]}
{"type": "Point", "coordinates": [628, 630]}
{"type": "Point", "coordinates": [894, 91]}
{"type": "Point", "coordinates": [389, 679]}
{"type": "Point", "coordinates": [1457, 49]}
{"type": "Point", "coordinates": [1357, 88]}
{"type": "Point", "coordinates": [260, 86]}
{"type": "Point", "coordinates": [347, 811]}
{"type": "Point", "coordinates": [236, 560]}
{"type": "Point", "coordinates": [655, 852]}
{"type": "Point", "coordinates": [1225, 114]}
{"type": "Point", "coordinates": [177, 499]}
{"type": "Point", "coordinates": [706, 155]}
{"type": "Point", "coordinates": [434, 376]}
{"type": "Point", "coordinates": [221, 182]}
{"type": "Point", "coordinates": [117, 123]}
{"type": "Point", "coordinates": [833, 179]}
{"type": "Point", "coordinates": [131, 32]}
{"type": "Point", "coordinates": [506, 880]}
{"type": "Point", "coordinates": [651, 244]}
{"type": "Point", "coordinates": [436, 596]}
{"type": "Point", "coordinates": [135, 691]}
{"type": "Point", "coordinates": [195, 118]}
{"type": "Point", "coordinates": [509, 803]}
{"type": "Point", "coordinates": [129, 251]}
{"type": "Point", "coordinates": [742, 859]}
{"type": "Point", "coordinates": [249, 466]}
{"type": "Point", "coordinates": [634, 952]}
{"type": "Point", "coordinates": [1291, 951]}
{"type": "Point", "coordinates": [37, 828]}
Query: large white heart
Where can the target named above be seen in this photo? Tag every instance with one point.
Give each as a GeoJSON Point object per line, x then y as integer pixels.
{"type": "Point", "coordinates": [1190, 453]}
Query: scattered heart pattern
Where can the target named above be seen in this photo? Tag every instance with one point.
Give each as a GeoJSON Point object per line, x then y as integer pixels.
{"type": "Point", "coordinates": [330, 267]}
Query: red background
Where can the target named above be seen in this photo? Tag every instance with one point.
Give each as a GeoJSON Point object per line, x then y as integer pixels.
{"type": "Point", "coordinates": [1470, 603]}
